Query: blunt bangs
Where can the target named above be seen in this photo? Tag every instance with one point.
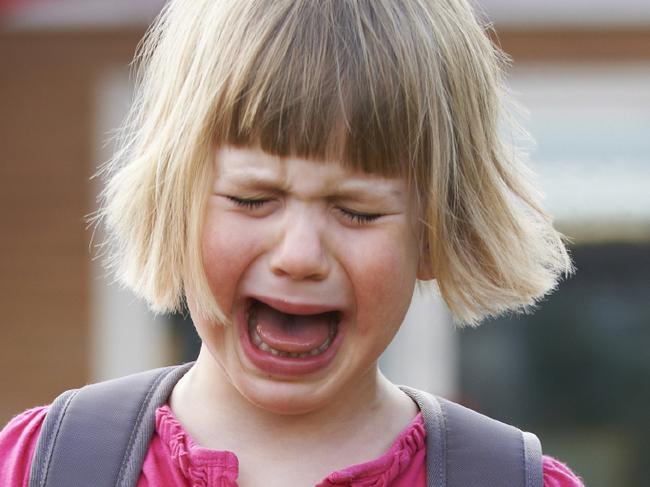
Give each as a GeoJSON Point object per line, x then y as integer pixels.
{"type": "Point", "coordinates": [327, 81]}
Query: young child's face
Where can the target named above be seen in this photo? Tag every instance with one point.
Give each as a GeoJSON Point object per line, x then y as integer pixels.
{"type": "Point", "coordinates": [315, 266]}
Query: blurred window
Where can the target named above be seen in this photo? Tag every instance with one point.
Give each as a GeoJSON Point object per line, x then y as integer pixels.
{"type": "Point", "coordinates": [577, 371]}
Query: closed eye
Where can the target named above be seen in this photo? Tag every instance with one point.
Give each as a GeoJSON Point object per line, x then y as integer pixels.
{"type": "Point", "coordinates": [358, 217]}
{"type": "Point", "coordinates": [250, 203]}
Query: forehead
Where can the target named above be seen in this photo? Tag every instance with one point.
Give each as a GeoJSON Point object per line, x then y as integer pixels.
{"type": "Point", "coordinates": [254, 168]}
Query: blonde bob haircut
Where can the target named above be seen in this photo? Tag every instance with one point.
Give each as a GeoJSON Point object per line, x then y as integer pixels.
{"type": "Point", "coordinates": [404, 88]}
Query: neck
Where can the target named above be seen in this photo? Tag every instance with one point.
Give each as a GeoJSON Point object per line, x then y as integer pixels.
{"type": "Point", "coordinates": [210, 407]}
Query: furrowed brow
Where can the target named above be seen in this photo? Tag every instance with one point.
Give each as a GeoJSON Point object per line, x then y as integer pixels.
{"type": "Point", "coordinates": [368, 190]}
{"type": "Point", "coordinates": [257, 182]}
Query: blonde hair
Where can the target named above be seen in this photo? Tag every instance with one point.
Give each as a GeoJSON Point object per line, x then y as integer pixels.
{"type": "Point", "coordinates": [409, 88]}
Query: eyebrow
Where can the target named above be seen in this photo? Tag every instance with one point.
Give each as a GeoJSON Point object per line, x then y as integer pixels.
{"type": "Point", "coordinates": [350, 189]}
{"type": "Point", "coordinates": [258, 181]}
{"type": "Point", "coordinates": [347, 189]}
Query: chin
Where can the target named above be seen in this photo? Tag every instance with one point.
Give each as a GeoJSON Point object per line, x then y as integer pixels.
{"type": "Point", "coordinates": [283, 398]}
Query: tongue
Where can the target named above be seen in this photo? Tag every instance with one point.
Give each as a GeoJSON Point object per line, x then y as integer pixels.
{"type": "Point", "coordinates": [292, 333]}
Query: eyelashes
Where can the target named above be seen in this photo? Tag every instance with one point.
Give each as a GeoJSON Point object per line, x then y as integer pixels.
{"type": "Point", "coordinates": [355, 217]}
{"type": "Point", "coordinates": [251, 204]}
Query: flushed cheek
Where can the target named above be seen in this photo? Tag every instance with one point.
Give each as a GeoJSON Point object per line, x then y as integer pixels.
{"type": "Point", "coordinates": [383, 287]}
{"type": "Point", "coordinates": [228, 248]}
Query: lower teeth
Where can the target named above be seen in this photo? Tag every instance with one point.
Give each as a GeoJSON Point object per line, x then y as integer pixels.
{"type": "Point", "coordinates": [262, 345]}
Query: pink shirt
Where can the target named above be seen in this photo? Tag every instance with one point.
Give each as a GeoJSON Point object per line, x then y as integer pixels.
{"type": "Point", "coordinates": [173, 459]}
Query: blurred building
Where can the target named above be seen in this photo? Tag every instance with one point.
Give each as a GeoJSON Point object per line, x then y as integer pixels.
{"type": "Point", "coordinates": [577, 372]}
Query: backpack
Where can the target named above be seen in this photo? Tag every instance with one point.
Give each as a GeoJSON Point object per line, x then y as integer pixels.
{"type": "Point", "coordinates": [114, 421]}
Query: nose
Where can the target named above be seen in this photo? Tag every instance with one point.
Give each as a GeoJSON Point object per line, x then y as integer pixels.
{"type": "Point", "coordinates": [300, 252]}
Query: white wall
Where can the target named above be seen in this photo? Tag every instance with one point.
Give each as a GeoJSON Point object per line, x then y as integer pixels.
{"type": "Point", "coordinates": [566, 12]}
{"type": "Point", "coordinates": [592, 128]}
{"type": "Point", "coordinates": [424, 352]}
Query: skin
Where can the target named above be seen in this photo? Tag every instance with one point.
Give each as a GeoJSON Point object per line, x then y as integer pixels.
{"type": "Point", "coordinates": [305, 233]}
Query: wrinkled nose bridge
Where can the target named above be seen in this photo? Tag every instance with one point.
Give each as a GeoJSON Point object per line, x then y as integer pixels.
{"type": "Point", "coordinates": [300, 251]}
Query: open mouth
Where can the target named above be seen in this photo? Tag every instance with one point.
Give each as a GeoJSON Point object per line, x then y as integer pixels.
{"type": "Point", "coordinates": [291, 336]}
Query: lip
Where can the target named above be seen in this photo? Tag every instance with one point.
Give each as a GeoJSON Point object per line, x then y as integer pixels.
{"type": "Point", "coordinates": [294, 307]}
{"type": "Point", "coordinates": [276, 365]}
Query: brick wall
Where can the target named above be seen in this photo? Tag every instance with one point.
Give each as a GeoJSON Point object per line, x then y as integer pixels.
{"type": "Point", "coordinates": [46, 158]}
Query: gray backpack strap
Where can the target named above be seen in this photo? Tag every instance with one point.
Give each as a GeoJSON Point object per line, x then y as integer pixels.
{"type": "Point", "coordinates": [99, 435]}
{"type": "Point", "coordinates": [434, 422]}
{"type": "Point", "coordinates": [474, 450]}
